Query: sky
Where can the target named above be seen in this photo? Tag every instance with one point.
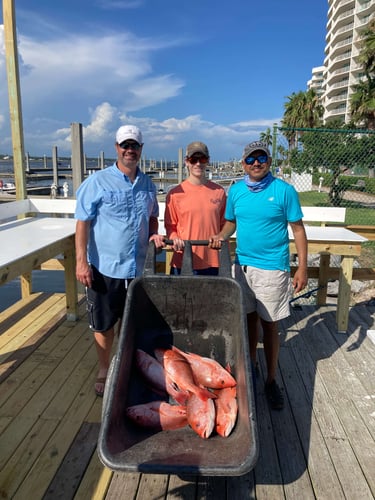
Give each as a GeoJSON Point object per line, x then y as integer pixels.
{"type": "Point", "coordinates": [208, 70]}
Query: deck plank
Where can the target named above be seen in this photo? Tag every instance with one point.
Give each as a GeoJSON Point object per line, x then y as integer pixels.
{"type": "Point", "coordinates": [212, 488]}
{"type": "Point", "coordinates": [57, 446]}
{"type": "Point", "coordinates": [69, 474]}
{"type": "Point", "coordinates": [242, 487]}
{"type": "Point", "coordinates": [315, 416]}
{"type": "Point", "coordinates": [96, 481]}
{"type": "Point", "coordinates": [29, 375]}
{"type": "Point", "coordinates": [179, 487]}
{"type": "Point", "coordinates": [44, 397]}
{"type": "Point", "coordinates": [352, 447]}
{"type": "Point", "coordinates": [124, 485]}
{"type": "Point", "coordinates": [288, 444]}
{"type": "Point", "coordinates": [15, 337]}
{"type": "Point", "coordinates": [318, 461]}
{"type": "Point", "coordinates": [267, 471]}
{"type": "Point", "coordinates": [27, 330]}
{"type": "Point", "coordinates": [19, 309]}
{"type": "Point", "coordinates": [152, 486]}
{"type": "Point", "coordinates": [36, 370]}
{"type": "Point", "coordinates": [53, 438]}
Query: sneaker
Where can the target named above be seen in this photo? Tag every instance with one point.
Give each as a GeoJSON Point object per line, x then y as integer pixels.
{"type": "Point", "coordinates": [274, 396]}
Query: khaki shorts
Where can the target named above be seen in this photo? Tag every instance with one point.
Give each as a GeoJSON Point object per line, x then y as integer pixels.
{"type": "Point", "coordinates": [266, 292]}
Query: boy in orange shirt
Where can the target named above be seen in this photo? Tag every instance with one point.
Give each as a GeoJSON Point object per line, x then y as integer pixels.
{"type": "Point", "coordinates": [195, 210]}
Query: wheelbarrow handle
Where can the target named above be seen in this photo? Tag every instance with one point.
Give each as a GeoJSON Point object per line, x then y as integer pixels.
{"type": "Point", "coordinates": [187, 261]}
{"type": "Point", "coordinates": [192, 242]}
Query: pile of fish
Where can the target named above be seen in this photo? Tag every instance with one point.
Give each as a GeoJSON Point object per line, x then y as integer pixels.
{"type": "Point", "coordinates": [203, 393]}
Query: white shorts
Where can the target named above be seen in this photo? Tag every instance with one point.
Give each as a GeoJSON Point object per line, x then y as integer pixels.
{"type": "Point", "coordinates": [266, 292]}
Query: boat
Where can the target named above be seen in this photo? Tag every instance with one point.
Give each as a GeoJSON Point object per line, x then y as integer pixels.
{"type": "Point", "coordinates": [10, 188]}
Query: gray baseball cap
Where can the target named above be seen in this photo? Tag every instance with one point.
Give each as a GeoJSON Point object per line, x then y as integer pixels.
{"type": "Point", "coordinates": [255, 146]}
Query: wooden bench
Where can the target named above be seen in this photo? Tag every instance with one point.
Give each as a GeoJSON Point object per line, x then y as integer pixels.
{"type": "Point", "coordinates": [333, 216]}
{"type": "Point", "coordinates": [324, 215]}
{"type": "Point", "coordinates": [28, 241]}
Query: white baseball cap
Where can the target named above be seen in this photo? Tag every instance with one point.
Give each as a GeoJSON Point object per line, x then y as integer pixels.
{"type": "Point", "coordinates": [128, 132]}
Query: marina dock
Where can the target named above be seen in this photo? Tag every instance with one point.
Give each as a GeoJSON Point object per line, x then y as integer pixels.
{"type": "Point", "coordinates": [321, 446]}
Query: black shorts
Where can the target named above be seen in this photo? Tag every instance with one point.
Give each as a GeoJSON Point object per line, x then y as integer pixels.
{"type": "Point", "coordinates": [105, 301]}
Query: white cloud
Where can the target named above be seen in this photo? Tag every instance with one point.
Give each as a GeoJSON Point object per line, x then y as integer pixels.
{"type": "Point", "coordinates": [84, 68]}
{"type": "Point", "coordinates": [91, 79]}
{"type": "Point", "coordinates": [102, 119]}
{"type": "Point", "coordinates": [259, 123]}
{"type": "Point", "coordinates": [120, 4]}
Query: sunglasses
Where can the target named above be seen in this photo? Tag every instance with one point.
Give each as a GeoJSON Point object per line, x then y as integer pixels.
{"type": "Point", "coordinates": [250, 160]}
{"type": "Point", "coordinates": [195, 159]}
{"type": "Point", "coordinates": [130, 145]}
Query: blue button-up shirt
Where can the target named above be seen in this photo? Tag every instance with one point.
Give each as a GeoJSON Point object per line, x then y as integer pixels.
{"type": "Point", "coordinates": [119, 211]}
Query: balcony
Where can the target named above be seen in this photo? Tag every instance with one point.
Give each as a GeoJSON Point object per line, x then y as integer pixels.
{"type": "Point", "coordinates": [339, 85]}
{"type": "Point", "coordinates": [337, 98]}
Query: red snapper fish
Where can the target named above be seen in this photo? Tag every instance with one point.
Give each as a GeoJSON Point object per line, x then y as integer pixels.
{"type": "Point", "coordinates": [226, 410]}
{"type": "Point", "coordinates": [158, 415]}
{"type": "Point", "coordinates": [157, 378]}
{"type": "Point", "coordinates": [201, 416]}
{"type": "Point", "coordinates": [179, 370]}
{"type": "Point", "coordinates": [151, 370]}
{"type": "Point", "coordinates": [207, 372]}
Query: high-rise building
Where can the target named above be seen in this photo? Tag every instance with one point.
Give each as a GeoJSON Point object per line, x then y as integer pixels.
{"type": "Point", "coordinates": [317, 80]}
{"type": "Point", "coordinates": [346, 21]}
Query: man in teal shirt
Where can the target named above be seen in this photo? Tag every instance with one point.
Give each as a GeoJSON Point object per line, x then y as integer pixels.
{"type": "Point", "coordinates": [259, 209]}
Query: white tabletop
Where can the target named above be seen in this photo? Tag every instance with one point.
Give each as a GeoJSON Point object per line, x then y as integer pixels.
{"type": "Point", "coordinates": [332, 234]}
{"type": "Point", "coordinates": [22, 237]}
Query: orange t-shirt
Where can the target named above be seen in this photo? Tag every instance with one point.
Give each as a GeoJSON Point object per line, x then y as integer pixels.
{"type": "Point", "coordinates": [195, 212]}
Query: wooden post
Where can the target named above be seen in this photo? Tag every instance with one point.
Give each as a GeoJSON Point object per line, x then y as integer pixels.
{"type": "Point", "coordinates": [27, 159]}
{"type": "Point", "coordinates": [55, 166]}
{"type": "Point", "coordinates": [15, 107]}
{"type": "Point", "coordinates": [180, 165]}
{"type": "Point", "coordinates": [101, 160]}
{"type": "Point", "coordinates": [77, 155]}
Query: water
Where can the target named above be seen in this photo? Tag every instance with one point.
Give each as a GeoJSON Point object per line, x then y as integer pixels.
{"type": "Point", "coordinates": [64, 169]}
{"type": "Point", "coordinates": [6, 167]}
{"type": "Point", "coordinates": [43, 281]}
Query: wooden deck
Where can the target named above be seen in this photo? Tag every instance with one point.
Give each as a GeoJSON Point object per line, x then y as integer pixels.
{"type": "Point", "coordinates": [322, 445]}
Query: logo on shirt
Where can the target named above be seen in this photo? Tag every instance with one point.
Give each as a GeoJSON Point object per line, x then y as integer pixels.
{"type": "Point", "coordinates": [271, 198]}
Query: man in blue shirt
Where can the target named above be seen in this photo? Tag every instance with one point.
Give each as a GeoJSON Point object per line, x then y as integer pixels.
{"type": "Point", "coordinates": [259, 209]}
{"type": "Point", "coordinates": [117, 215]}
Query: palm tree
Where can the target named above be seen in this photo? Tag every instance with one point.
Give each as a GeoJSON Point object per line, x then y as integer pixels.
{"type": "Point", "coordinates": [291, 117]}
{"type": "Point", "coordinates": [362, 104]}
{"type": "Point", "coordinates": [266, 137]}
{"type": "Point", "coordinates": [367, 55]}
{"type": "Point", "coordinates": [304, 110]}
{"type": "Point", "coordinates": [362, 101]}
{"type": "Point", "coordinates": [313, 109]}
